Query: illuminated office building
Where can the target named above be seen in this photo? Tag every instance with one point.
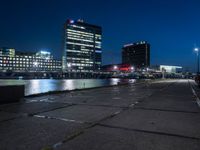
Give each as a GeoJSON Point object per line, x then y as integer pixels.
{"type": "Point", "coordinates": [82, 47]}
{"type": "Point", "coordinates": [136, 54]}
{"type": "Point", "coordinates": [7, 52]}
{"type": "Point", "coordinates": [16, 61]}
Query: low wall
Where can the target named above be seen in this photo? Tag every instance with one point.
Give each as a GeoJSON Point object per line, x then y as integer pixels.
{"type": "Point", "coordinates": [11, 93]}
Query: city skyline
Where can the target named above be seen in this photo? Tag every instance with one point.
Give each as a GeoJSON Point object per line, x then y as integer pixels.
{"type": "Point", "coordinates": [170, 27]}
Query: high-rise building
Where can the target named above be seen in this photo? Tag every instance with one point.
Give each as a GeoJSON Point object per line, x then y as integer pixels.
{"type": "Point", "coordinates": [136, 54]}
{"type": "Point", "coordinates": [82, 47]}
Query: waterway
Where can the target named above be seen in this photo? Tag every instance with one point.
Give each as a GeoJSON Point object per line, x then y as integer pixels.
{"type": "Point", "coordinates": [38, 86]}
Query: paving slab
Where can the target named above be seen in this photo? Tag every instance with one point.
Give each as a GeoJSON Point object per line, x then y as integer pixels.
{"type": "Point", "coordinates": [74, 99]}
{"type": "Point", "coordinates": [104, 98]}
{"type": "Point", "coordinates": [32, 108]}
{"type": "Point", "coordinates": [179, 88]}
{"type": "Point", "coordinates": [31, 133]}
{"type": "Point", "coordinates": [103, 138]}
{"type": "Point", "coordinates": [184, 124]}
{"type": "Point", "coordinates": [82, 113]}
{"type": "Point", "coordinates": [171, 103]}
{"type": "Point", "coordinates": [165, 117]}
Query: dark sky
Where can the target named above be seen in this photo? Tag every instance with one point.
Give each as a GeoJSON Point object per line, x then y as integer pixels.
{"type": "Point", "coordinates": [172, 27]}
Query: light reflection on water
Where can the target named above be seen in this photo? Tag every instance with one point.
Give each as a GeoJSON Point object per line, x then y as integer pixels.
{"type": "Point", "coordinates": [37, 86]}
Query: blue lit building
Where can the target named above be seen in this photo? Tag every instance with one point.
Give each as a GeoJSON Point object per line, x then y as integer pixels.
{"type": "Point", "coordinates": [82, 47]}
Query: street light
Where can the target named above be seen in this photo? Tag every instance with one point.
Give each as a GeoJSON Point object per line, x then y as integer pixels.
{"type": "Point", "coordinates": [132, 68]}
{"type": "Point", "coordinates": [115, 67]}
{"type": "Point", "coordinates": [197, 50]}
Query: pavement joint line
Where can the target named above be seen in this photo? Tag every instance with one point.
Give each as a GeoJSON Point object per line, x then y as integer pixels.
{"type": "Point", "coordinates": [80, 122]}
{"type": "Point", "coordinates": [39, 112]}
{"type": "Point", "coordinates": [195, 94]}
{"type": "Point", "coordinates": [66, 139]}
{"type": "Point", "coordinates": [10, 119]}
{"type": "Point", "coordinates": [110, 106]}
{"type": "Point", "coordinates": [150, 132]}
{"type": "Point", "coordinates": [110, 116]}
{"type": "Point", "coordinates": [166, 110]}
{"type": "Point", "coordinates": [57, 118]}
{"type": "Point", "coordinates": [21, 115]}
{"type": "Point", "coordinates": [76, 134]}
{"type": "Point", "coordinates": [31, 114]}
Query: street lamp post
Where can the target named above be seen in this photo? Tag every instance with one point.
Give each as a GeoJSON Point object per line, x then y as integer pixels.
{"type": "Point", "coordinates": [197, 51]}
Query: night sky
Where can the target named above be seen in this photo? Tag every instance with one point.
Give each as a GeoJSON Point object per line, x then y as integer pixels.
{"type": "Point", "coordinates": [172, 27]}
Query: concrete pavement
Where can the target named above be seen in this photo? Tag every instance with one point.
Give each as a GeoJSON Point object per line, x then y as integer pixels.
{"type": "Point", "coordinates": [159, 115]}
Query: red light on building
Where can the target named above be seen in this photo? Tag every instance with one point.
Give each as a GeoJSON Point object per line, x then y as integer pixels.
{"type": "Point", "coordinates": [124, 67]}
{"type": "Point", "coordinates": [119, 67]}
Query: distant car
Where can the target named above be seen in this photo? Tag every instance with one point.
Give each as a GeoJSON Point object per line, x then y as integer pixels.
{"type": "Point", "coordinates": [197, 80]}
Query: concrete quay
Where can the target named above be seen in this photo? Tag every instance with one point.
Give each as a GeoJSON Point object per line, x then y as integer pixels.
{"type": "Point", "coordinates": [156, 115]}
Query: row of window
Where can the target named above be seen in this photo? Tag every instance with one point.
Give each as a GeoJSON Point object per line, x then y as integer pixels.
{"type": "Point", "coordinates": [32, 65]}
{"type": "Point", "coordinates": [79, 32]}
{"type": "Point", "coordinates": [28, 63]}
{"type": "Point", "coordinates": [29, 69]}
{"type": "Point", "coordinates": [27, 60]}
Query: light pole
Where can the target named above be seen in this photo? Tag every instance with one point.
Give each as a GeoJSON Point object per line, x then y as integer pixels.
{"type": "Point", "coordinates": [197, 51]}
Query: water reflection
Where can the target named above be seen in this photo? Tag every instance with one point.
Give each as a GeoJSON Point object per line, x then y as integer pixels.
{"type": "Point", "coordinates": [37, 86]}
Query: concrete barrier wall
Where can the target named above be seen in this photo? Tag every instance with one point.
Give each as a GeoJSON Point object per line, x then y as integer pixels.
{"type": "Point", "coordinates": [11, 93]}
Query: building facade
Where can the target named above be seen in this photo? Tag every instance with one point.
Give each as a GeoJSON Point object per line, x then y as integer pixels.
{"type": "Point", "coordinates": [82, 47]}
{"type": "Point", "coordinates": [15, 61]}
{"type": "Point", "coordinates": [4, 51]}
{"type": "Point", "coordinates": [136, 54]}
{"type": "Point", "coordinates": [170, 69]}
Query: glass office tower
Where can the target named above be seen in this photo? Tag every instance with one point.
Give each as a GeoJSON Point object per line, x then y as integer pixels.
{"type": "Point", "coordinates": [82, 47]}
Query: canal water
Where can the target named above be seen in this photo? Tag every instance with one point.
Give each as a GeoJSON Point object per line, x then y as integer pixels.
{"type": "Point", "coordinates": [38, 86]}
